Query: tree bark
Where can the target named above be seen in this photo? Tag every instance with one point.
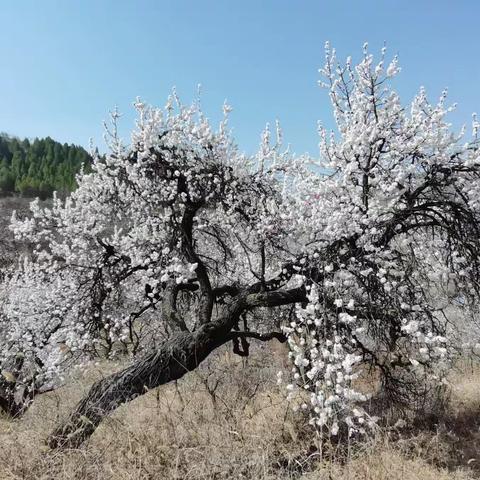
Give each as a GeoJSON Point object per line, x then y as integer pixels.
{"type": "Point", "coordinates": [180, 354]}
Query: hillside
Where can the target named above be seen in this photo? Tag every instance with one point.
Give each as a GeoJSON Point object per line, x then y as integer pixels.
{"type": "Point", "coordinates": [39, 167]}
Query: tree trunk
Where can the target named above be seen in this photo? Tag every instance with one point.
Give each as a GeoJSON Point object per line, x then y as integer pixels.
{"type": "Point", "coordinates": [180, 354]}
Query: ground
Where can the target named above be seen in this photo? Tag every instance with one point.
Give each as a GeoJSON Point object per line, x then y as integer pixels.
{"type": "Point", "coordinates": [229, 420]}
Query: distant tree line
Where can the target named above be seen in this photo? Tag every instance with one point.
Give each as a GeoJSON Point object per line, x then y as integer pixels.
{"type": "Point", "coordinates": [39, 167]}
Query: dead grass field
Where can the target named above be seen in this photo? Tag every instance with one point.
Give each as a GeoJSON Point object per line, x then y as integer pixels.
{"type": "Point", "coordinates": [229, 420]}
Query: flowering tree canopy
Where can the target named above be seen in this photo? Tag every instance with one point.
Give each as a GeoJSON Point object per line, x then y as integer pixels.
{"type": "Point", "coordinates": [170, 244]}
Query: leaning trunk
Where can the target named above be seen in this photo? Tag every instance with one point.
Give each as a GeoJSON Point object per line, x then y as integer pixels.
{"type": "Point", "coordinates": [177, 356]}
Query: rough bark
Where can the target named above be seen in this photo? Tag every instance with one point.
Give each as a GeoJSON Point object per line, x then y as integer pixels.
{"type": "Point", "coordinates": [180, 354]}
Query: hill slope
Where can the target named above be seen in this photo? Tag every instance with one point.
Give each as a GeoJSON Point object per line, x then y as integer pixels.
{"type": "Point", "coordinates": [38, 167]}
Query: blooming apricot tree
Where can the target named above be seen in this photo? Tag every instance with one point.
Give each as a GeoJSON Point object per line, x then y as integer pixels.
{"type": "Point", "coordinates": [165, 250]}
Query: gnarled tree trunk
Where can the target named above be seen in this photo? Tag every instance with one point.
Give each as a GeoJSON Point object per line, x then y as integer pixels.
{"type": "Point", "coordinates": [180, 354]}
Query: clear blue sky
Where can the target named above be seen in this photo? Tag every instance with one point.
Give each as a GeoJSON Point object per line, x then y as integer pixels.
{"type": "Point", "coordinates": [64, 64]}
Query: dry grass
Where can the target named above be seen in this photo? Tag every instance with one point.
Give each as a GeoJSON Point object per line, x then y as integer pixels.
{"type": "Point", "coordinates": [228, 420]}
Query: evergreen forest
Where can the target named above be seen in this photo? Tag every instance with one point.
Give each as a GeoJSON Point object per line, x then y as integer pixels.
{"type": "Point", "coordinates": [39, 167]}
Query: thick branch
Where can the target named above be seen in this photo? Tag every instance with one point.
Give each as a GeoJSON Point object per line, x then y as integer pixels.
{"type": "Point", "coordinates": [169, 304]}
{"type": "Point", "coordinates": [206, 295]}
{"type": "Point", "coordinates": [276, 298]}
